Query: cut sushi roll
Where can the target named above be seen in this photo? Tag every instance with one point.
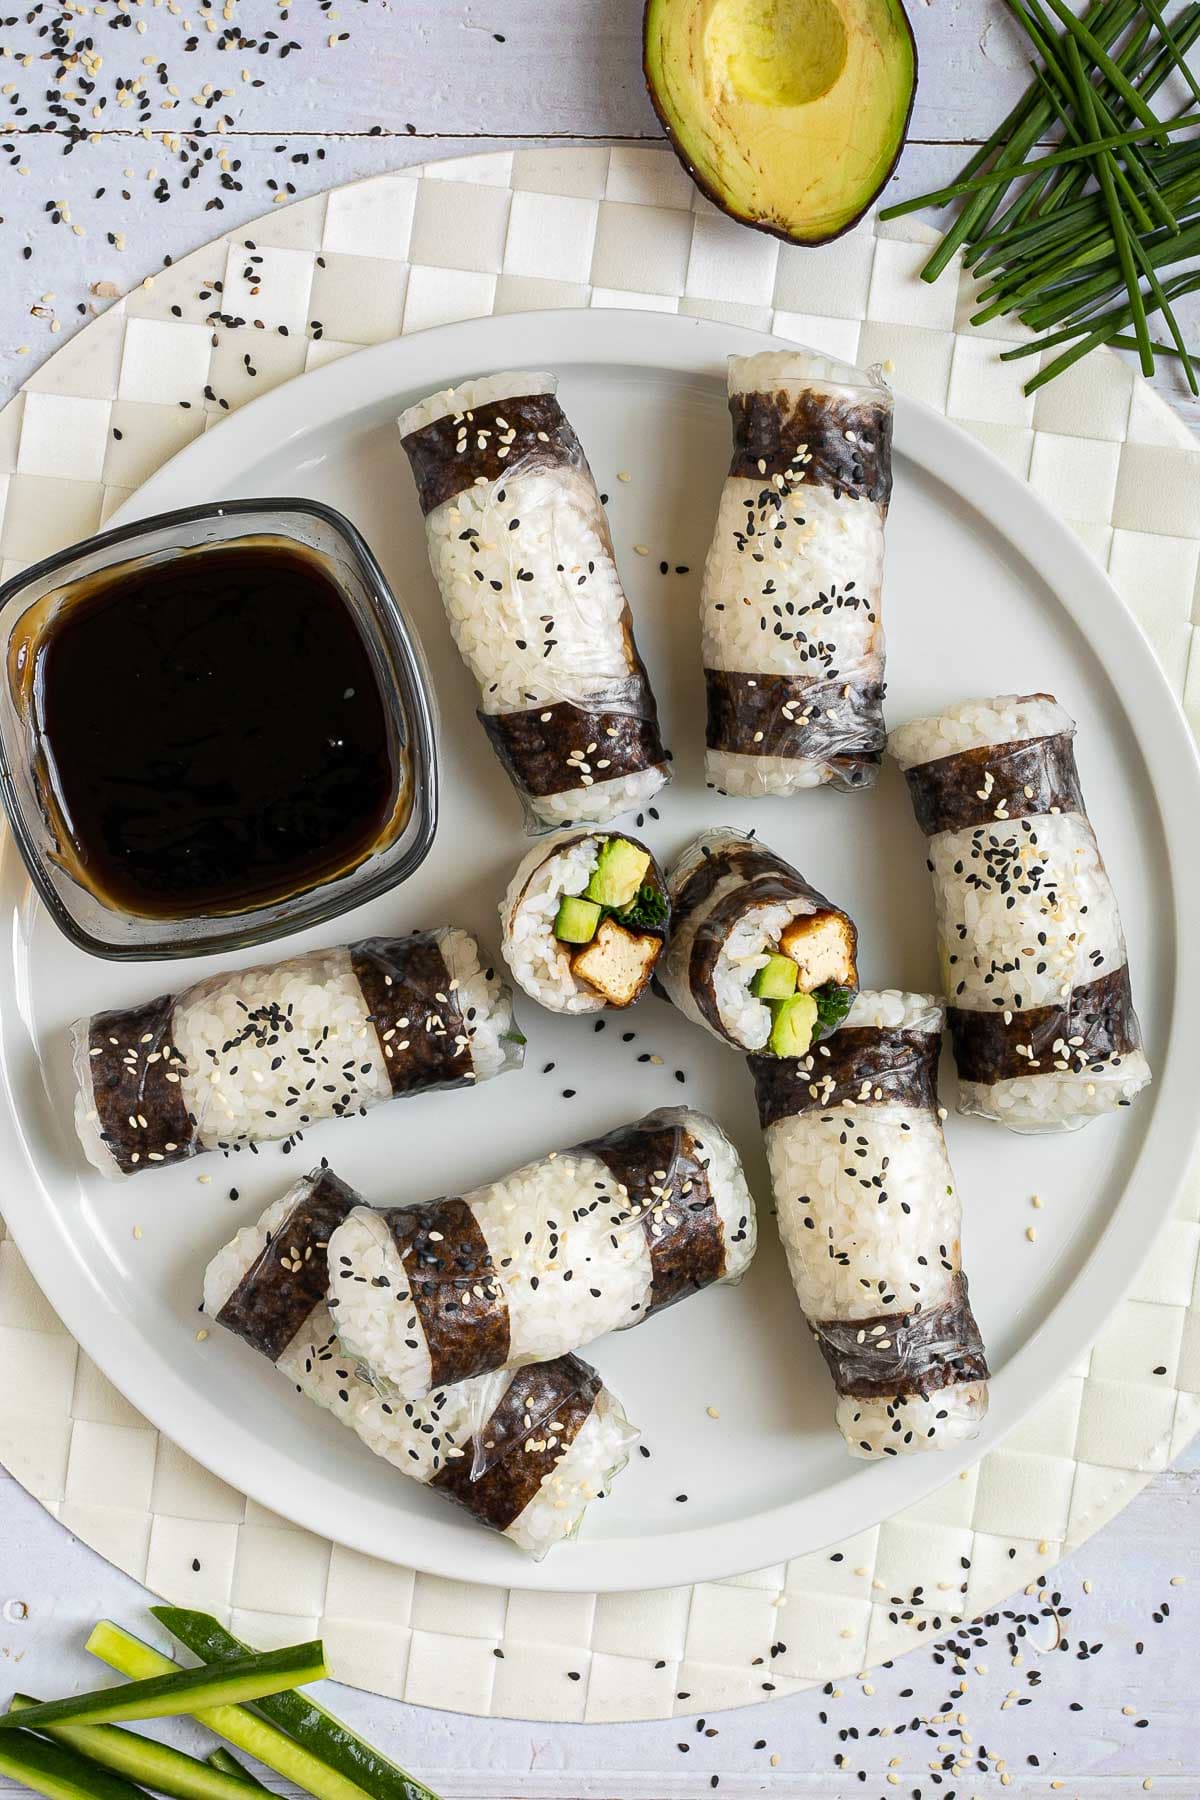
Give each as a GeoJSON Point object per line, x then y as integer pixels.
{"type": "Point", "coordinates": [521, 551]}
{"type": "Point", "coordinates": [524, 1452]}
{"type": "Point", "coordinates": [584, 921]}
{"type": "Point", "coordinates": [870, 1219]}
{"type": "Point", "coordinates": [757, 956]}
{"type": "Point", "coordinates": [1033, 956]}
{"type": "Point", "coordinates": [580, 1242]}
{"type": "Point", "coordinates": [262, 1053]}
{"type": "Point", "coordinates": [790, 605]}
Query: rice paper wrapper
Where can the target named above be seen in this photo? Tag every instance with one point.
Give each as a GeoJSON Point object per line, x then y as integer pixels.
{"type": "Point", "coordinates": [520, 546]}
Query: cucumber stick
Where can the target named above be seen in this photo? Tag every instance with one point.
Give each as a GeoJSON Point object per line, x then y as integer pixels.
{"type": "Point", "coordinates": [142, 1759]}
{"type": "Point", "coordinates": [229, 1765]}
{"type": "Point", "coordinates": [324, 1734]}
{"type": "Point", "coordinates": [182, 1691]}
{"type": "Point", "coordinates": [57, 1772]}
{"type": "Point", "coordinates": [129, 1656]}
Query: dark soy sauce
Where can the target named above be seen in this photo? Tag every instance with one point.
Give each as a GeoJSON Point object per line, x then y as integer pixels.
{"type": "Point", "coordinates": [214, 732]}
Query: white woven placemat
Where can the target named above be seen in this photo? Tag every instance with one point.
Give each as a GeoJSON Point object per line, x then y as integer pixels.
{"type": "Point", "coordinates": [504, 233]}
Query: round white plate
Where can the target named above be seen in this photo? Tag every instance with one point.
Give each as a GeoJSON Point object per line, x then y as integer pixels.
{"type": "Point", "coordinates": [986, 592]}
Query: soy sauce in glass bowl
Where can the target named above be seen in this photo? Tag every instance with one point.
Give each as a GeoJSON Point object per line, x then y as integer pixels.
{"type": "Point", "coordinates": [216, 729]}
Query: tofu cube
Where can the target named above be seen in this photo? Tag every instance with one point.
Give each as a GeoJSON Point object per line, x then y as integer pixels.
{"type": "Point", "coordinates": [618, 962]}
{"type": "Point", "coordinates": [822, 945]}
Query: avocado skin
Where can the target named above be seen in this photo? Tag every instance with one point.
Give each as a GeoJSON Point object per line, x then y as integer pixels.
{"type": "Point", "coordinates": [720, 201]}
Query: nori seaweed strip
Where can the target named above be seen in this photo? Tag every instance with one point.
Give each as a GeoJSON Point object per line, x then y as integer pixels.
{"type": "Point", "coordinates": [746, 716]}
{"type": "Point", "coordinates": [289, 1280]}
{"type": "Point", "coordinates": [860, 1065]}
{"type": "Point", "coordinates": [453, 1287]}
{"type": "Point", "coordinates": [1029, 777]}
{"type": "Point", "coordinates": [903, 1354]}
{"type": "Point", "coordinates": [530, 1430]}
{"type": "Point", "coordinates": [130, 1085]}
{"type": "Point", "coordinates": [535, 745]}
{"type": "Point", "coordinates": [821, 438]}
{"type": "Point", "coordinates": [662, 1171]}
{"type": "Point", "coordinates": [542, 437]}
{"type": "Point", "coordinates": [1096, 1023]}
{"type": "Point", "coordinates": [405, 983]}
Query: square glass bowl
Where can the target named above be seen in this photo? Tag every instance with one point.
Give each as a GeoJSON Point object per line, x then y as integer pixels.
{"type": "Point", "coordinates": [28, 604]}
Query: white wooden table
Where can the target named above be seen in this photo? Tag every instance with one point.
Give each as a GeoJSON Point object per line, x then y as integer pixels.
{"type": "Point", "coordinates": [410, 82]}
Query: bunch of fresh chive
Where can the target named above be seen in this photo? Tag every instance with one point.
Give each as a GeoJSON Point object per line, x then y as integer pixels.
{"type": "Point", "coordinates": [1080, 252]}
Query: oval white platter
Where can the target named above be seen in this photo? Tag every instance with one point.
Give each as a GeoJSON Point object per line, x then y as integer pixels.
{"type": "Point", "coordinates": [986, 592]}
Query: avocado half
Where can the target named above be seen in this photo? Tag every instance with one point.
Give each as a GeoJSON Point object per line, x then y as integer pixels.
{"type": "Point", "coordinates": [788, 114]}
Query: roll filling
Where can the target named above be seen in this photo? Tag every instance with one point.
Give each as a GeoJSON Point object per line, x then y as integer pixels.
{"type": "Point", "coordinates": [757, 955]}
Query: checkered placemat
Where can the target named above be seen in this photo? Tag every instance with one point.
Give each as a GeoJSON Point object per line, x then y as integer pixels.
{"type": "Point", "coordinates": [597, 227]}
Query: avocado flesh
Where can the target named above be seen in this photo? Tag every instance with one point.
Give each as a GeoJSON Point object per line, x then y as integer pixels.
{"type": "Point", "coordinates": [576, 920]}
{"type": "Point", "coordinates": [618, 874]}
{"type": "Point", "coordinates": [789, 114]}
{"type": "Point", "coordinates": [792, 1024]}
{"type": "Point", "coordinates": [776, 979]}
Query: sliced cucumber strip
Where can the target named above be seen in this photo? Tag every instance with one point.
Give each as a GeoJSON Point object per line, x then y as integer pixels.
{"type": "Point", "coordinates": [183, 1690]}
{"type": "Point", "coordinates": [300, 1714]}
{"type": "Point", "coordinates": [129, 1656]}
{"type": "Point", "coordinates": [58, 1773]}
{"type": "Point", "coordinates": [142, 1759]}
{"type": "Point", "coordinates": [229, 1765]}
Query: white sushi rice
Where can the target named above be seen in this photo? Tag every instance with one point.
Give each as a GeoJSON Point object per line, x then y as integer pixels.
{"type": "Point", "coordinates": [785, 615]}
{"type": "Point", "coordinates": [1019, 950]}
{"type": "Point", "coordinates": [540, 964]}
{"type": "Point", "coordinates": [565, 1272]}
{"type": "Point", "coordinates": [267, 1051]}
{"type": "Point", "coordinates": [548, 523]}
{"type": "Point", "coordinates": [974, 724]}
{"type": "Point", "coordinates": [747, 948]}
{"type": "Point", "coordinates": [318, 1365]}
{"type": "Point", "coordinates": [485, 1002]}
{"type": "Point", "coordinates": [852, 1256]}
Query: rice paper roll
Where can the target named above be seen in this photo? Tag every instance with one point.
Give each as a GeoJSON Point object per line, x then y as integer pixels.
{"type": "Point", "coordinates": [757, 955]}
{"type": "Point", "coordinates": [257, 1054]}
{"type": "Point", "coordinates": [527, 1268]}
{"type": "Point", "coordinates": [584, 921]}
{"type": "Point", "coordinates": [1033, 955]}
{"type": "Point", "coordinates": [520, 547]}
{"type": "Point", "coordinates": [870, 1220]}
{"type": "Point", "coordinates": [790, 605]}
{"type": "Point", "coordinates": [524, 1452]}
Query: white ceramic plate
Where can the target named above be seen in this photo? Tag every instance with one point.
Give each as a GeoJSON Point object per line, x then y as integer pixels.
{"type": "Point", "coordinates": [986, 592]}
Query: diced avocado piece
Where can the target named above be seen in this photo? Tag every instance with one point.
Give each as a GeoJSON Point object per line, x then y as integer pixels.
{"type": "Point", "coordinates": [790, 117]}
{"type": "Point", "coordinates": [577, 920]}
{"type": "Point", "coordinates": [792, 1025]}
{"type": "Point", "coordinates": [618, 874]}
{"type": "Point", "coordinates": [776, 980]}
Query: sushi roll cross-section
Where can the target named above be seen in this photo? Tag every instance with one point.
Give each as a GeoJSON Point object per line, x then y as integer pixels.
{"type": "Point", "coordinates": [520, 548]}
{"type": "Point", "coordinates": [256, 1054]}
{"type": "Point", "coordinates": [756, 955]}
{"type": "Point", "coordinates": [1033, 955]}
{"type": "Point", "coordinates": [790, 608]}
{"type": "Point", "coordinates": [541, 1262]}
{"type": "Point", "coordinates": [525, 1452]}
{"type": "Point", "coordinates": [870, 1220]}
{"type": "Point", "coordinates": [584, 921]}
